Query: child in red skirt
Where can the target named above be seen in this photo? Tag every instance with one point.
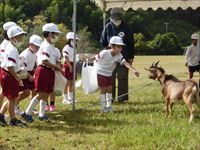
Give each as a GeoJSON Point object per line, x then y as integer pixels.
{"type": "Point", "coordinates": [51, 107]}
{"type": "Point", "coordinates": [68, 54]}
{"type": "Point", "coordinates": [44, 73]}
{"type": "Point", "coordinates": [106, 61]}
{"type": "Point", "coordinates": [3, 45]}
{"type": "Point", "coordinates": [10, 80]}
{"type": "Point", "coordinates": [28, 60]}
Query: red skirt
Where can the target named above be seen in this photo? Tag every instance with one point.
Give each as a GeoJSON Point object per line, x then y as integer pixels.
{"type": "Point", "coordinates": [28, 85]}
{"type": "Point", "coordinates": [10, 86]}
{"type": "Point", "coordinates": [104, 81]}
{"type": "Point", "coordinates": [44, 79]}
{"type": "Point", "coordinates": [67, 74]}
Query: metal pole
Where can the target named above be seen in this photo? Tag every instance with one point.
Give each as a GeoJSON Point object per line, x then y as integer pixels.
{"type": "Point", "coordinates": [74, 60]}
{"type": "Point", "coordinates": [166, 26]}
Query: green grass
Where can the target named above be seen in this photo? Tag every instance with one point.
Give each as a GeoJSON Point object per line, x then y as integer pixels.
{"type": "Point", "coordinates": [139, 124]}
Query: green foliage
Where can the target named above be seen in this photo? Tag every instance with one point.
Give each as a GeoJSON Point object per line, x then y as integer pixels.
{"type": "Point", "coordinates": [164, 44]}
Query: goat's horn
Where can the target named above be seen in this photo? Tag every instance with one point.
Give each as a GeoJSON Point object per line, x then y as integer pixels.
{"type": "Point", "coordinates": [152, 64]}
{"type": "Point", "coordinates": [156, 64]}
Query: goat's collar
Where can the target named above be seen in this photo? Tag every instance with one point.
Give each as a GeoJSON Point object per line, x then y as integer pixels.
{"type": "Point", "coordinates": [161, 78]}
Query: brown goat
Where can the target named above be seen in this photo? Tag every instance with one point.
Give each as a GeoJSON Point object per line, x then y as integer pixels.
{"type": "Point", "coordinates": [175, 90]}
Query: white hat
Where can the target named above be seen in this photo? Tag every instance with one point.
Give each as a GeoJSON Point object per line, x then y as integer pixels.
{"type": "Point", "coordinates": [116, 40]}
{"type": "Point", "coordinates": [70, 35]}
{"type": "Point", "coordinates": [36, 40]}
{"type": "Point", "coordinates": [195, 36]}
{"type": "Point", "coordinates": [15, 31]}
{"type": "Point", "coordinates": [50, 27]}
{"type": "Point", "coordinates": [8, 25]}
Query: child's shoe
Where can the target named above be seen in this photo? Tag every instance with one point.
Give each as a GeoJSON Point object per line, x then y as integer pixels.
{"type": "Point", "coordinates": [27, 118]}
{"type": "Point", "coordinates": [44, 118]}
{"type": "Point", "coordinates": [47, 108]}
{"type": "Point", "coordinates": [3, 121]}
{"type": "Point", "coordinates": [16, 122]}
{"type": "Point", "coordinates": [52, 108]}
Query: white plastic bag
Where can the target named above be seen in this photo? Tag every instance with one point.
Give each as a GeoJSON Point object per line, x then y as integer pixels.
{"type": "Point", "coordinates": [89, 78]}
{"type": "Point", "coordinates": [60, 82]}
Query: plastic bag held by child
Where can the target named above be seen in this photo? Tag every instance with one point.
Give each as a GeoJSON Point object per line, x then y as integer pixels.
{"type": "Point", "coordinates": [89, 78]}
{"type": "Point", "coordinates": [60, 82]}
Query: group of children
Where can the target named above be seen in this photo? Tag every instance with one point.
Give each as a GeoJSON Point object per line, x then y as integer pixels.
{"type": "Point", "coordinates": [33, 71]}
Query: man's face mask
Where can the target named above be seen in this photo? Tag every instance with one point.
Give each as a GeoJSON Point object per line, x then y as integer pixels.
{"type": "Point", "coordinates": [117, 22]}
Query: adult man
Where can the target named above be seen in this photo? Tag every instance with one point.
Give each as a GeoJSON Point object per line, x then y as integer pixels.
{"type": "Point", "coordinates": [117, 27]}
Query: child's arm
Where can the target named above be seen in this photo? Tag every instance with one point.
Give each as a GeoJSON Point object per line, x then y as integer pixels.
{"type": "Point", "coordinates": [48, 64]}
{"type": "Point", "coordinates": [68, 63]}
{"type": "Point", "coordinates": [15, 75]}
{"type": "Point", "coordinates": [131, 68]}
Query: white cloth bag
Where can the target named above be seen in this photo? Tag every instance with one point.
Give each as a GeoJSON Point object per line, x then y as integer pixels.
{"type": "Point", "coordinates": [89, 78]}
{"type": "Point", "coordinates": [60, 82]}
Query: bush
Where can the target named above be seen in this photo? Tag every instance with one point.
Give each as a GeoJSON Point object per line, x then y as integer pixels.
{"type": "Point", "coordinates": [165, 44]}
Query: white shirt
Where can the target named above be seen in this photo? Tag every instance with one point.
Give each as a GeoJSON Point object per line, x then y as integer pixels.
{"type": "Point", "coordinates": [2, 49]}
{"type": "Point", "coordinates": [11, 58]}
{"type": "Point", "coordinates": [28, 57]}
{"type": "Point", "coordinates": [106, 63]}
{"type": "Point", "coordinates": [68, 51]}
{"type": "Point", "coordinates": [57, 55]}
{"type": "Point", "coordinates": [46, 52]}
{"type": "Point", "coordinates": [192, 55]}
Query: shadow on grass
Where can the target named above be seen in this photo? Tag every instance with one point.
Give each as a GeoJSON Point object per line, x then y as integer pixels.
{"type": "Point", "coordinates": [73, 122]}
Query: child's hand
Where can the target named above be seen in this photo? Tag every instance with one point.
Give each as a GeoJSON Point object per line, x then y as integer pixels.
{"type": "Point", "coordinates": [31, 78]}
{"type": "Point", "coordinates": [137, 74]}
{"type": "Point", "coordinates": [186, 64]}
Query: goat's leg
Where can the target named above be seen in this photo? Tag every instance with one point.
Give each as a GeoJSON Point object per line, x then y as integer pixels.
{"type": "Point", "coordinates": [167, 106]}
{"type": "Point", "coordinates": [188, 102]}
{"type": "Point", "coordinates": [170, 107]}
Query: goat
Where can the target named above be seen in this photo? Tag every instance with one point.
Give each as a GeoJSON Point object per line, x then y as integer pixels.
{"type": "Point", "coordinates": [175, 90]}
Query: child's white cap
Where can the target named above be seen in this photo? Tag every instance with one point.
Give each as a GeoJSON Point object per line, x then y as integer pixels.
{"type": "Point", "coordinates": [8, 25]}
{"type": "Point", "coordinates": [15, 31]}
{"type": "Point", "coordinates": [36, 40]}
{"type": "Point", "coordinates": [195, 36]}
{"type": "Point", "coordinates": [70, 35]}
{"type": "Point", "coordinates": [50, 27]}
{"type": "Point", "coordinates": [116, 40]}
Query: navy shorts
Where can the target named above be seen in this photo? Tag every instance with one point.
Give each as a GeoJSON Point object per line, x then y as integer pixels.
{"type": "Point", "coordinates": [194, 68]}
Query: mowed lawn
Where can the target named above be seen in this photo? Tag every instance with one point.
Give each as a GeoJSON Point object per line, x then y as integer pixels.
{"type": "Point", "coordinates": [138, 124]}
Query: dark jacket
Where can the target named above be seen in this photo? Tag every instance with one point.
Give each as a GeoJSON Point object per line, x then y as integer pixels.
{"type": "Point", "coordinates": [125, 32]}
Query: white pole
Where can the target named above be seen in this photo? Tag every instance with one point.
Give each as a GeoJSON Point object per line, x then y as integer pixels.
{"type": "Point", "coordinates": [74, 60]}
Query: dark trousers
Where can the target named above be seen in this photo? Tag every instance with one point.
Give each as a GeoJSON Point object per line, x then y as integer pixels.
{"type": "Point", "coordinates": [121, 73]}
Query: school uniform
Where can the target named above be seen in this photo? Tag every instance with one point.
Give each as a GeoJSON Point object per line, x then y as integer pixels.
{"type": "Point", "coordinates": [192, 56]}
{"type": "Point", "coordinates": [45, 76]}
{"type": "Point", "coordinates": [29, 61]}
{"type": "Point", "coordinates": [10, 86]}
{"type": "Point", "coordinates": [2, 51]}
{"type": "Point", "coordinates": [106, 64]}
{"type": "Point", "coordinates": [68, 51]}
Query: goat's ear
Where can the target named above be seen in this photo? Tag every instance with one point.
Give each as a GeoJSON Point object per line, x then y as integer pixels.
{"type": "Point", "coordinates": [146, 69]}
{"type": "Point", "coordinates": [156, 64]}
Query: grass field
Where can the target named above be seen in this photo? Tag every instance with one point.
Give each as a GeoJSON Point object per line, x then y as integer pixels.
{"type": "Point", "coordinates": [138, 124]}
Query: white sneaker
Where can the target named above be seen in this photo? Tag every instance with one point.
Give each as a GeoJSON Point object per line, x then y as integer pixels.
{"type": "Point", "coordinates": [107, 109]}
{"type": "Point", "coordinates": [67, 101]}
{"type": "Point", "coordinates": [17, 110]}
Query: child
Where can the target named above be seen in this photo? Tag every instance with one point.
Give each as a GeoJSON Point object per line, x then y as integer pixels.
{"type": "Point", "coordinates": [107, 60]}
{"type": "Point", "coordinates": [28, 59]}
{"type": "Point", "coordinates": [10, 80]}
{"type": "Point", "coordinates": [68, 54]}
{"type": "Point", "coordinates": [3, 45]}
{"type": "Point", "coordinates": [44, 73]}
{"type": "Point", "coordinates": [192, 56]}
{"type": "Point", "coordinates": [51, 107]}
